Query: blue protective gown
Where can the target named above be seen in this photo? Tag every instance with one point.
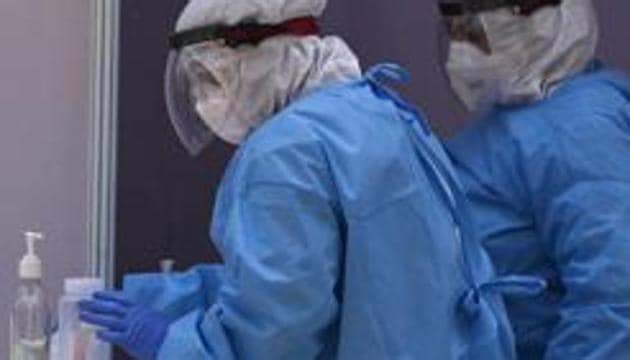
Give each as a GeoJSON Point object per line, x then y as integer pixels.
{"type": "Point", "coordinates": [339, 227]}
{"type": "Point", "coordinates": [550, 188]}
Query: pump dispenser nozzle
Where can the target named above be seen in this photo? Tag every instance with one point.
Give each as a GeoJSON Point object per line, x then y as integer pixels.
{"type": "Point", "coordinates": [31, 265]}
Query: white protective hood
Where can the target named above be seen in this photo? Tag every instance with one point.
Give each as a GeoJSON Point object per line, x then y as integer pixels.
{"type": "Point", "coordinates": [234, 89]}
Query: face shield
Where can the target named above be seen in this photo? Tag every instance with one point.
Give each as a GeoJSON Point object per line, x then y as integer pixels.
{"type": "Point", "coordinates": [200, 83]}
{"type": "Point", "coordinates": [197, 90]}
{"type": "Point", "coordinates": [193, 133]}
{"type": "Point", "coordinates": [487, 46]}
{"type": "Point", "coordinates": [463, 20]}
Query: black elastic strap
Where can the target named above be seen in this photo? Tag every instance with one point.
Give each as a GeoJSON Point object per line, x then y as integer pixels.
{"type": "Point", "coordinates": [245, 33]}
{"type": "Point", "coordinates": [194, 36]}
{"type": "Point", "coordinates": [528, 7]}
{"type": "Point", "coordinates": [463, 7]}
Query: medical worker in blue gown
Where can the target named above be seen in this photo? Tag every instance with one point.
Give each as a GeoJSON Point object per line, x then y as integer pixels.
{"type": "Point", "coordinates": [339, 219]}
{"type": "Point", "coordinates": [546, 164]}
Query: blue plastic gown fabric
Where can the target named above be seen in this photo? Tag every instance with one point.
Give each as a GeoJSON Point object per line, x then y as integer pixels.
{"type": "Point", "coordinates": [175, 294]}
{"type": "Point", "coordinates": [338, 224]}
{"type": "Point", "coordinates": [550, 190]}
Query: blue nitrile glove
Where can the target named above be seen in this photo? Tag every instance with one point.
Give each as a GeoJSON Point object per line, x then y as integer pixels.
{"type": "Point", "coordinates": [138, 330]}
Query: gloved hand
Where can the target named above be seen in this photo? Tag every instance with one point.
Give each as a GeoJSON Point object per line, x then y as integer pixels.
{"type": "Point", "coordinates": [138, 330]}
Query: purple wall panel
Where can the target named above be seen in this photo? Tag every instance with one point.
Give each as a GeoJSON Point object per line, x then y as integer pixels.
{"type": "Point", "coordinates": [44, 102]}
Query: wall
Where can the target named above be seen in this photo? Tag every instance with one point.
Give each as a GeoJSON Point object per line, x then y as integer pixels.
{"type": "Point", "coordinates": [615, 27]}
{"type": "Point", "coordinates": [43, 139]}
{"type": "Point", "coordinates": [164, 195]}
{"type": "Point", "coordinates": [403, 31]}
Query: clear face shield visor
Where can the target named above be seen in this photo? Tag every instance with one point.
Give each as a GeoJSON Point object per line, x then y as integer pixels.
{"type": "Point", "coordinates": [191, 85]}
{"type": "Point", "coordinates": [197, 77]}
{"type": "Point", "coordinates": [193, 133]}
{"type": "Point", "coordinates": [479, 40]}
{"type": "Point", "coordinates": [462, 20]}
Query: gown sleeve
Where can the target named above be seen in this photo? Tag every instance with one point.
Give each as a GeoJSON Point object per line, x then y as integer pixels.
{"type": "Point", "coordinates": [176, 294]}
{"type": "Point", "coordinates": [278, 229]}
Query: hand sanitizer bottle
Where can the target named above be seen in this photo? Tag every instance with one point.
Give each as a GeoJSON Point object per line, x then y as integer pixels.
{"type": "Point", "coordinates": [29, 318]}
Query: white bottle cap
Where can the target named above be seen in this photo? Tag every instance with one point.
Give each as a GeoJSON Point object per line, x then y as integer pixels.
{"type": "Point", "coordinates": [84, 287]}
{"type": "Point", "coordinates": [31, 265]}
{"type": "Point", "coordinates": [167, 266]}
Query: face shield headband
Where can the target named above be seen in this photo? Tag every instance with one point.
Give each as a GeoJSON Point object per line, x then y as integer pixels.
{"type": "Point", "coordinates": [246, 33]}
{"type": "Point", "coordinates": [450, 8]}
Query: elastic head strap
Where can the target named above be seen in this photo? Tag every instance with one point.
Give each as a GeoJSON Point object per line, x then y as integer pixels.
{"type": "Point", "coordinates": [521, 7]}
{"type": "Point", "coordinates": [528, 7]}
{"type": "Point", "coordinates": [246, 33]}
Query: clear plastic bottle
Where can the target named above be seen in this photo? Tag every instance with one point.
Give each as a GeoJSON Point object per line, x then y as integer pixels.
{"type": "Point", "coordinates": [77, 341]}
{"type": "Point", "coordinates": [30, 315]}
